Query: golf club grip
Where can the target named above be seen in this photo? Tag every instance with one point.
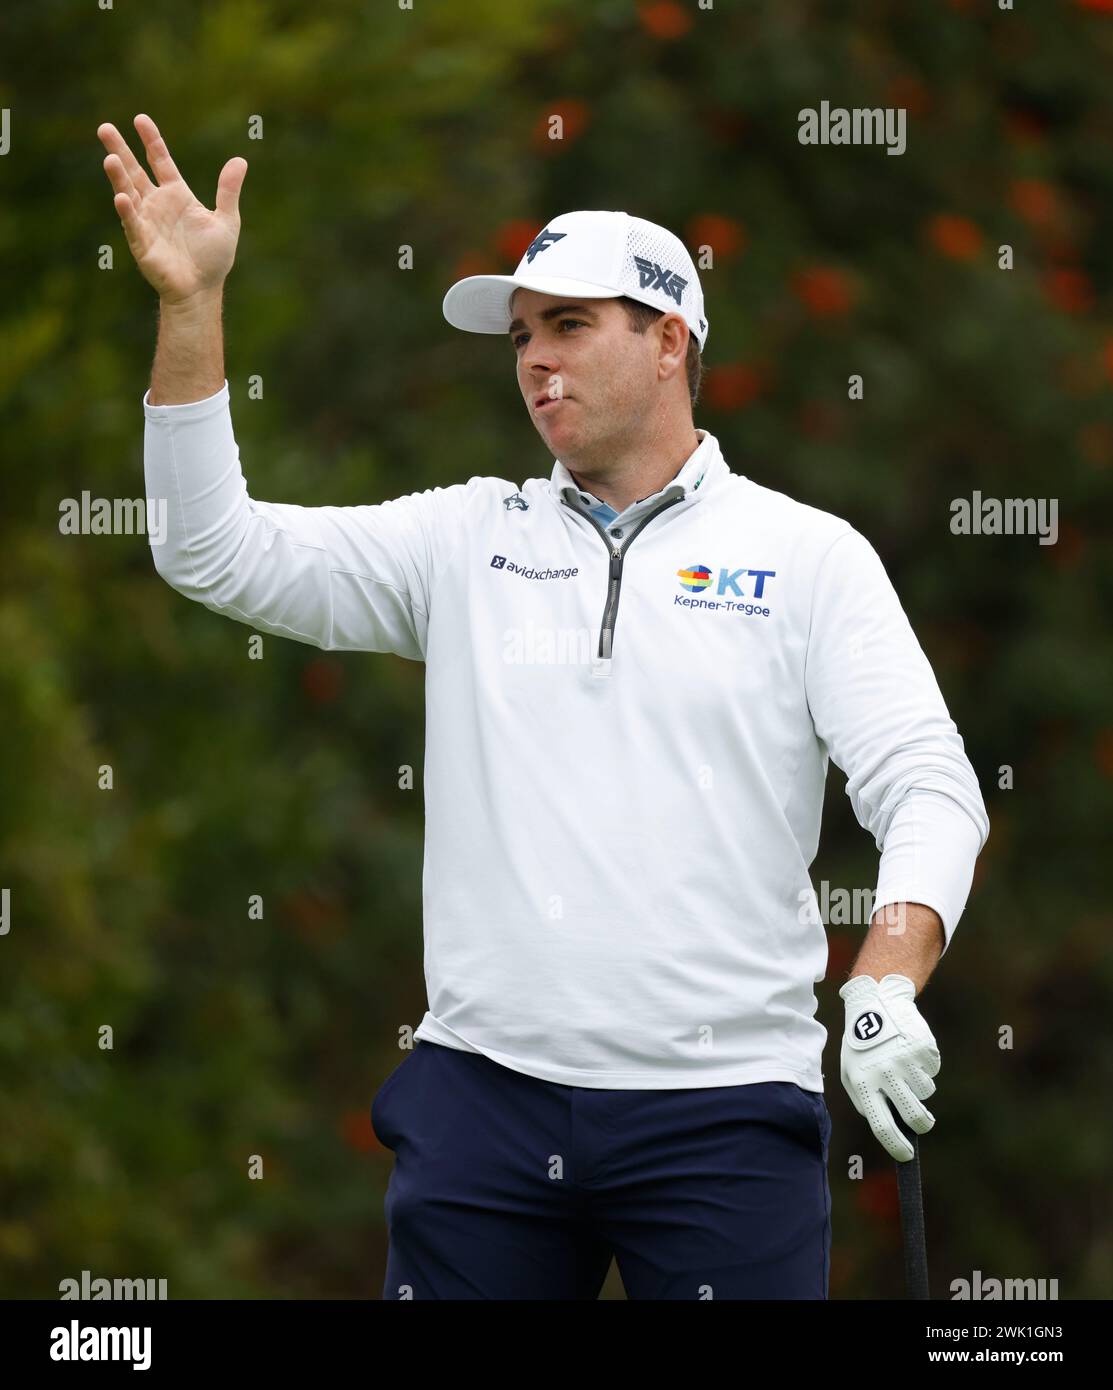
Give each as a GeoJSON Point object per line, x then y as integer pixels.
{"type": "Point", "coordinates": [912, 1219]}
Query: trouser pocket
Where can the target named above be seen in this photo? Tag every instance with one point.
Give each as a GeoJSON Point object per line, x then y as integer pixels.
{"type": "Point", "coordinates": [819, 1116]}
{"type": "Point", "coordinates": [380, 1112]}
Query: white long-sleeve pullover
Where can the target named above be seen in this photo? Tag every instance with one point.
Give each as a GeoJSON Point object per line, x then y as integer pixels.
{"type": "Point", "coordinates": [627, 739]}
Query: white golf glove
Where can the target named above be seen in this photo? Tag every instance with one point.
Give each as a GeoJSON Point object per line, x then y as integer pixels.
{"type": "Point", "coordinates": [888, 1053]}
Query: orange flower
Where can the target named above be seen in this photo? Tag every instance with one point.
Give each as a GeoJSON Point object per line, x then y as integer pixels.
{"type": "Point", "coordinates": [1077, 374]}
{"type": "Point", "coordinates": [724, 235]}
{"type": "Point", "coordinates": [955, 236]}
{"type": "Point", "coordinates": [877, 1191]}
{"type": "Point", "coordinates": [315, 916]}
{"type": "Point", "coordinates": [1068, 289]}
{"type": "Point", "coordinates": [818, 419]}
{"type": "Point", "coordinates": [664, 19]}
{"type": "Point", "coordinates": [573, 114]}
{"type": "Point", "coordinates": [909, 92]}
{"type": "Point", "coordinates": [1069, 547]}
{"type": "Point", "coordinates": [1035, 200]}
{"type": "Point", "coordinates": [355, 1127]}
{"type": "Point", "coordinates": [842, 1269]}
{"type": "Point", "coordinates": [841, 950]}
{"type": "Point", "coordinates": [726, 123]}
{"type": "Point", "coordinates": [475, 263]}
{"type": "Point", "coordinates": [1095, 443]}
{"type": "Point", "coordinates": [1022, 127]}
{"type": "Point", "coordinates": [732, 386]}
{"type": "Point", "coordinates": [823, 291]}
{"type": "Point", "coordinates": [1103, 752]}
{"type": "Point", "coordinates": [322, 680]}
{"type": "Point", "coordinates": [512, 239]}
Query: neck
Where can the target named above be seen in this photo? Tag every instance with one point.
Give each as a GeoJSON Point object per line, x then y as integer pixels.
{"type": "Point", "coordinates": [639, 470]}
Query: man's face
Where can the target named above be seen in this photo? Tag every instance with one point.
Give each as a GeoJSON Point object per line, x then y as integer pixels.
{"type": "Point", "coordinates": [586, 377]}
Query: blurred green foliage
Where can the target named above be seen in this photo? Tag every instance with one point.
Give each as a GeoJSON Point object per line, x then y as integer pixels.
{"type": "Point", "coordinates": [386, 128]}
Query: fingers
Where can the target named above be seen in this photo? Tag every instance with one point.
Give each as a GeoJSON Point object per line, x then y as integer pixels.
{"type": "Point", "coordinates": [919, 1080]}
{"type": "Point", "coordinates": [914, 1114]}
{"type": "Point", "coordinates": [115, 144]}
{"type": "Point", "coordinates": [228, 187]}
{"type": "Point", "coordinates": [871, 1104]}
{"type": "Point", "coordinates": [121, 183]}
{"type": "Point", "coordinates": [158, 156]}
{"type": "Point", "coordinates": [887, 1134]}
{"type": "Point", "coordinates": [128, 215]}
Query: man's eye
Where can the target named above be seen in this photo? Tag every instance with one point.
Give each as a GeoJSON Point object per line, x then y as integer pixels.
{"type": "Point", "coordinates": [517, 340]}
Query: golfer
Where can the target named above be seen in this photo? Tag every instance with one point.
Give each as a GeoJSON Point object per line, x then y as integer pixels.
{"type": "Point", "coordinates": [638, 668]}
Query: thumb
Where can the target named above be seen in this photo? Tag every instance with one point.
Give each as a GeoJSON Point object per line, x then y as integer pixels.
{"type": "Point", "coordinates": [228, 187]}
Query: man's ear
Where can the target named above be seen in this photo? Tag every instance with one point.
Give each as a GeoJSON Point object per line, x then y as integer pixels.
{"type": "Point", "coordinates": [673, 337]}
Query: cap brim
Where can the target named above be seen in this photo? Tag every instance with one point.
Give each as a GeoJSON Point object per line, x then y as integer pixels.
{"type": "Point", "coordinates": [481, 303]}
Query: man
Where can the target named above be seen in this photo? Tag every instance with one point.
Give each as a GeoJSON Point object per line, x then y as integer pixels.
{"type": "Point", "coordinates": [637, 670]}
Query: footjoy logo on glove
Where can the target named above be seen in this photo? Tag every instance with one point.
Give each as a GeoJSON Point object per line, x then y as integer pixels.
{"type": "Point", "coordinates": [867, 1026]}
{"type": "Point", "coordinates": [697, 579]}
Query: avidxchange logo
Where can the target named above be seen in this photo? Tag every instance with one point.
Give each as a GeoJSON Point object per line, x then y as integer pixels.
{"type": "Point", "coordinates": [731, 589]}
{"type": "Point", "coordinates": [500, 562]}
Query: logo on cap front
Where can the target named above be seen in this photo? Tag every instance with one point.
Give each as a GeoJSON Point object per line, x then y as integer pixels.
{"type": "Point", "coordinates": [541, 242]}
{"type": "Point", "coordinates": [655, 277]}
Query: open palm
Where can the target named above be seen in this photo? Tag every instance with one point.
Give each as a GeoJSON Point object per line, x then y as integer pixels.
{"type": "Point", "coordinates": [181, 247]}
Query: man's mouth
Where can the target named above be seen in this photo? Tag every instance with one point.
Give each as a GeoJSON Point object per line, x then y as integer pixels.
{"type": "Point", "coordinates": [546, 402]}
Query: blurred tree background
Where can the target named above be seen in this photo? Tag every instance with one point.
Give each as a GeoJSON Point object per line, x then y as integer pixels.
{"type": "Point", "coordinates": [383, 128]}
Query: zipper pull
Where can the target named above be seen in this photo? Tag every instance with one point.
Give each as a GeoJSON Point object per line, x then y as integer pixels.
{"type": "Point", "coordinates": [606, 637]}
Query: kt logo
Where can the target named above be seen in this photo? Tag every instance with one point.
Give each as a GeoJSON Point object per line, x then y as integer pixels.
{"type": "Point", "coordinates": [654, 277]}
{"type": "Point", "coordinates": [541, 242]}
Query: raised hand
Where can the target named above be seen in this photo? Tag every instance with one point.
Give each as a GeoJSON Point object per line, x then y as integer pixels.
{"type": "Point", "coordinates": [183, 249]}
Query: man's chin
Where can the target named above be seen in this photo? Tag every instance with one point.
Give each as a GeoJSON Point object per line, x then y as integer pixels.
{"type": "Point", "coordinates": [557, 434]}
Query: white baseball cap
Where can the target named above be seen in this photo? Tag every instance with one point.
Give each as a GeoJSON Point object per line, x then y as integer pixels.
{"type": "Point", "coordinates": [589, 255]}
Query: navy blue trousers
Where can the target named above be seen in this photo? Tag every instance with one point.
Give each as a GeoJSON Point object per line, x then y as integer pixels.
{"type": "Point", "coordinates": [505, 1186]}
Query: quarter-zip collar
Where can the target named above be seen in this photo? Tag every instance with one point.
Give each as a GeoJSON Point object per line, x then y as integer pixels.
{"type": "Point", "coordinates": [700, 471]}
{"type": "Point", "coordinates": [702, 467]}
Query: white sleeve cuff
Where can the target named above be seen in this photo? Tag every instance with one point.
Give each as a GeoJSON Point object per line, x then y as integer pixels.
{"type": "Point", "coordinates": [188, 410]}
{"type": "Point", "coordinates": [928, 857]}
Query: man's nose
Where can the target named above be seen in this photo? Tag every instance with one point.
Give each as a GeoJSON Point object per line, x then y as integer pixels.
{"type": "Point", "coordinates": [539, 359]}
